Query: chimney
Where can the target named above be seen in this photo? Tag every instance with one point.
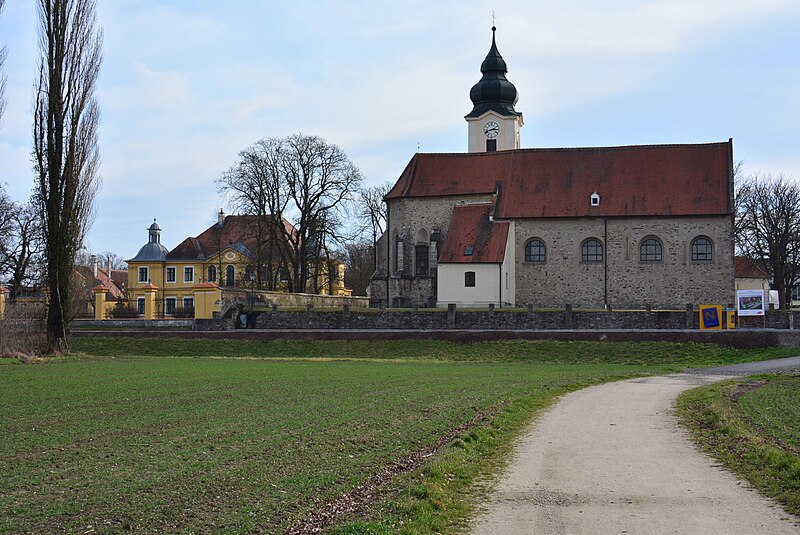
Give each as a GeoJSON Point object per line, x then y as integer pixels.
{"type": "Point", "coordinates": [93, 264]}
{"type": "Point", "coordinates": [221, 217]}
{"type": "Point", "coordinates": [109, 267]}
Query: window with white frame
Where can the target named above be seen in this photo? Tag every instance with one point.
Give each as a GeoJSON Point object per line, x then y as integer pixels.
{"type": "Point", "coordinates": [212, 273]}
{"type": "Point", "coordinates": [144, 275]}
{"type": "Point", "coordinates": [188, 303]}
{"type": "Point", "coordinates": [188, 274]}
{"type": "Point", "coordinates": [140, 306]}
{"type": "Point", "coordinates": [169, 306]}
{"type": "Point", "coordinates": [469, 279]}
{"type": "Point", "coordinates": [171, 274]}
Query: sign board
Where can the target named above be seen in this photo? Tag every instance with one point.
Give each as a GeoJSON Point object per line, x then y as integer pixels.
{"type": "Point", "coordinates": [750, 302]}
{"type": "Point", "coordinates": [710, 317]}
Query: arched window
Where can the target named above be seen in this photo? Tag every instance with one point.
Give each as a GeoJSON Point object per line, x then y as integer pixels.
{"type": "Point", "coordinates": [592, 250]}
{"type": "Point", "coordinates": [230, 275]}
{"type": "Point", "coordinates": [212, 273]}
{"type": "Point", "coordinates": [651, 250]}
{"type": "Point", "coordinates": [535, 251]}
{"type": "Point", "coordinates": [702, 250]}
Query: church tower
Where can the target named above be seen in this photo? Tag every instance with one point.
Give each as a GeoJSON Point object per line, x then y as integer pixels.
{"type": "Point", "coordinates": [493, 122]}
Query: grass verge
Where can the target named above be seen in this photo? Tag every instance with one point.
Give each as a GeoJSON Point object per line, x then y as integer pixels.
{"type": "Point", "coordinates": [753, 426]}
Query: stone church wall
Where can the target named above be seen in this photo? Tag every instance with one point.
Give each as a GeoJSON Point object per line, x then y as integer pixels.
{"type": "Point", "coordinates": [627, 282]}
{"type": "Point", "coordinates": [406, 218]}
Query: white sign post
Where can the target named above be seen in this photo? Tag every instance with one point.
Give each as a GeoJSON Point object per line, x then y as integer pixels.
{"type": "Point", "coordinates": [750, 302]}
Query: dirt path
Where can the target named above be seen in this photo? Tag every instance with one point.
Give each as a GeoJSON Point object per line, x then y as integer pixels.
{"type": "Point", "coordinates": [613, 459]}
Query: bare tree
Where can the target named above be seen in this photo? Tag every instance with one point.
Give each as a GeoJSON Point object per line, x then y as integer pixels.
{"type": "Point", "coordinates": [21, 248]}
{"type": "Point", "coordinates": [3, 53]}
{"type": "Point", "coordinates": [254, 186]}
{"type": "Point", "coordinates": [373, 213]}
{"type": "Point", "coordinates": [65, 150]}
{"type": "Point", "coordinates": [303, 180]}
{"type": "Point", "coordinates": [768, 228]}
{"type": "Point", "coordinates": [320, 180]}
{"type": "Point", "coordinates": [360, 262]}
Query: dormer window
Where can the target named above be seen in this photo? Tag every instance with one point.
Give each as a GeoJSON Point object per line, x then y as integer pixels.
{"type": "Point", "coordinates": [468, 251]}
{"type": "Point", "coordinates": [594, 199]}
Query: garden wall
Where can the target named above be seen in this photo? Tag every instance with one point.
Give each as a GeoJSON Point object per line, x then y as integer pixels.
{"type": "Point", "coordinates": [470, 319]}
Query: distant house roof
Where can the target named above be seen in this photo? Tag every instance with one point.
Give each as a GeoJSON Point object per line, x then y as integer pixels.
{"type": "Point", "coordinates": [648, 180]}
{"type": "Point", "coordinates": [473, 237]}
{"type": "Point", "coordinates": [237, 232]}
{"type": "Point", "coordinates": [747, 268]}
{"type": "Point", "coordinates": [91, 281]}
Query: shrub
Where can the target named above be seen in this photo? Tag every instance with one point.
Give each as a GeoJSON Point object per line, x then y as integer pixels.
{"type": "Point", "coordinates": [22, 332]}
{"type": "Point", "coordinates": [123, 310]}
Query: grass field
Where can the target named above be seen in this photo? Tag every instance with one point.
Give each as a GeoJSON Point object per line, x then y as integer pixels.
{"type": "Point", "coordinates": [753, 426]}
{"type": "Point", "coordinates": [238, 436]}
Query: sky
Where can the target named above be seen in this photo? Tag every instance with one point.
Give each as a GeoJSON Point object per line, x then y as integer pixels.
{"type": "Point", "coordinates": [187, 84]}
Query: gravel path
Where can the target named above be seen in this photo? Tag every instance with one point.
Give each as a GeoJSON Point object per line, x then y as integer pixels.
{"type": "Point", "coordinates": [613, 459]}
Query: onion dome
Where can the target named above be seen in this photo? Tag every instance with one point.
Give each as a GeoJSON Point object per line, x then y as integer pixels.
{"type": "Point", "coordinates": [152, 251]}
{"type": "Point", "coordinates": [493, 92]}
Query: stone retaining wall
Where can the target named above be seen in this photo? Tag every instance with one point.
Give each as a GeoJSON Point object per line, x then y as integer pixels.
{"type": "Point", "coordinates": [433, 319]}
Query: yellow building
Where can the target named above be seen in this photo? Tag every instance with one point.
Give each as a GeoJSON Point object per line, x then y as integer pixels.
{"type": "Point", "coordinates": [220, 257]}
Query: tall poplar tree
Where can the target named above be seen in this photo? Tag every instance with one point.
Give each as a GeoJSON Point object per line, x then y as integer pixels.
{"type": "Point", "coordinates": [66, 156]}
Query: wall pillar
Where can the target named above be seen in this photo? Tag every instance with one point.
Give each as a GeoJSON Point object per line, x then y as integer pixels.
{"type": "Point", "coordinates": [99, 302]}
{"type": "Point", "coordinates": [150, 293]}
{"type": "Point", "coordinates": [206, 294]}
{"type": "Point", "coordinates": [3, 293]}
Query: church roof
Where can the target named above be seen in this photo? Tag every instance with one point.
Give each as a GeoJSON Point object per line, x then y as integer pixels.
{"type": "Point", "coordinates": [473, 237]}
{"type": "Point", "coordinates": [493, 92]}
{"type": "Point", "coordinates": [647, 180]}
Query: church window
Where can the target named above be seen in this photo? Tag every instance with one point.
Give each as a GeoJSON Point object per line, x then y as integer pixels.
{"type": "Point", "coordinates": [230, 275]}
{"type": "Point", "coordinates": [702, 250]}
{"type": "Point", "coordinates": [144, 275]}
{"type": "Point", "coordinates": [421, 260]}
{"type": "Point", "coordinates": [212, 273]}
{"type": "Point", "coordinates": [170, 274]}
{"type": "Point", "coordinates": [651, 250]}
{"type": "Point", "coordinates": [535, 251]}
{"type": "Point", "coordinates": [491, 145]}
{"type": "Point", "coordinates": [469, 279]}
{"type": "Point", "coordinates": [398, 257]}
{"type": "Point", "coordinates": [592, 251]}
{"type": "Point", "coordinates": [188, 274]}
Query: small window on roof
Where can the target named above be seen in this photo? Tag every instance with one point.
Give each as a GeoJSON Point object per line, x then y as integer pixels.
{"type": "Point", "coordinates": [468, 251]}
{"type": "Point", "coordinates": [594, 199]}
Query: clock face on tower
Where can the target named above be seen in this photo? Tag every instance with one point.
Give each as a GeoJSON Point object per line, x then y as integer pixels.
{"type": "Point", "coordinates": [491, 129]}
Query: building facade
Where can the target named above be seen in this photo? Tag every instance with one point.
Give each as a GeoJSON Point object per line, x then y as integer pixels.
{"type": "Point", "coordinates": [224, 256]}
{"type": "Point", "coordinates": [621, 227]}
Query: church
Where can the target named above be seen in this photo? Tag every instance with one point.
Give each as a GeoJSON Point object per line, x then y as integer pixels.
{"type": "Point", "coordinates": [599, 227]}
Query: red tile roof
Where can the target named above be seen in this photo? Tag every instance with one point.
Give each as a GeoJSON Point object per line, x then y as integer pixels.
{"type": "Point", "coordinates": [237, 231]}
{"type": "Point", "coordinates": [470, 227]}
{"type": "Point", "coordinates": [649, 180]}
{"type": "Point", "coordinates": [91, 281]}
{"type": "Point", "coordinates": [749, 269]}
